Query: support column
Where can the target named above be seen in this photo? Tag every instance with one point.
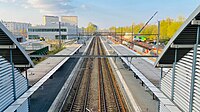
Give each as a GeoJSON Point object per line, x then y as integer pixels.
{"type": "Point", "coordinates": [161, 75]}
{"type": "Point", "coordinates": [115, 35]}
{"type": "Point", "coordinates": [132, 37]}
{"type": "Point", "coordinates": [158, 38]}
{"type": "Point", "coordinates": [26, 73]}
{"type": "Point", "coordinates": [173, 75]}
{"type": "Point", "coordinates": [13, 74]}
{"type": "Point", "coordinates": [194, 70]}
{"type": "Point", "coordinates": [130, 63]}
{"type": "Point", "coordinates": [115, 58]}
{"type": "Point", "coordinates": [121, 35]}
{"type": "Point", "coordinates": [60, 36]}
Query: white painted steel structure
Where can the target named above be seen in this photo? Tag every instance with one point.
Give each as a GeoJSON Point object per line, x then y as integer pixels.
{"type": "Point", "coordinates": [7, 42]}
{"type": "Point", "coordinates": [7, 91]}
{"type": "Point", "coordinates": [12, 83]}
{"type": "Point", "coordinates": [181, 82]}
{"type": "Point", "coordinates": [182, 85]}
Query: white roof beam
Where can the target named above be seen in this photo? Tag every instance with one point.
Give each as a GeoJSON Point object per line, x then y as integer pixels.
{"type": "Point", "coordinates": [195, 22]}
{"type": "Point", "coordinates": [165, 65]}
{"type": "Point", "coordinates": [8, 46]}
{"type": "Point", "coordinates": [22, 66]}
{"type": "Point", "coordinates": [181, 46]}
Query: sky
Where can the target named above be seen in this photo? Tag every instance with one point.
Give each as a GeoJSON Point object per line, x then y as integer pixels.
{"type": "Point", "coordinates": [103, 13]}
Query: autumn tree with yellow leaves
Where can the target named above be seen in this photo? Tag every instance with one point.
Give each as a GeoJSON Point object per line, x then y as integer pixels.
{"type": "Point", "coordinates": [168, 27]}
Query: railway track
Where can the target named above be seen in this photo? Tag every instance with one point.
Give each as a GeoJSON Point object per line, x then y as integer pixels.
{"type": "Point", "coordinates": [102, 98]}
{"type": "Point", "coordinates": [95, 87]}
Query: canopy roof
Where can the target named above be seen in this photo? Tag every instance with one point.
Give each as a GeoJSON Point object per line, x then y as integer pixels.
{"type": "Point", "coordinates": [7, 42]}
{"type": "Point", "coordinates": [183, 40]}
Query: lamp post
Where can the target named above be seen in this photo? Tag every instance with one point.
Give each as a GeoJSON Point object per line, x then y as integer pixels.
{"type": "Point", "coordinates": [115, 35]}
{"type": "Point", "coordinates": [132, 36]}
{"type": "Point", "coordinates": [59, 34]}
{"type": "Point", "coordinates": [121, 35]}
{"type": "Point", "coordinates": [158, 37]}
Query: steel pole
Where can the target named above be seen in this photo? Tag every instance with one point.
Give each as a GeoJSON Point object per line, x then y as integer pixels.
{"type": "Point", "coordinates": [173, 75]}
{"type": "Point", "coordinates": [161, 75]}
{"type": "Point", "coordinates": [132, 37]}
{"type": "Point", "coordinates": [13, 74]}
{"type": "Point", "coordinates": [121, 35]}
{"type": "Point", "coordinates": [115, 35]}
{"type": "Point", "coordinates": [194, 70]}
{"type": "Point", "coordinates": [77, 30]}
{"type": "Point", "coordinates": [158, 37]}
{"type": "Point", "coordinates": [59, 34]}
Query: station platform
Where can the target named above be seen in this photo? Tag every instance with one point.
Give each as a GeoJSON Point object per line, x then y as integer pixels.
{"type": "Point", "coordinates": [38, 77]}
{"type": "Point", "coordinates": [41, 69]}
{"type": "Point", "coordinates": [149, 76]}
{"type": "Point", "coordinates": [144, 65]}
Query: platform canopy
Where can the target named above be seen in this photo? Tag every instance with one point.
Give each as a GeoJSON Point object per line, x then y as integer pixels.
{"type": "Point", "coordinates": [183, 40]}
{"type": "Point", "coordinates": [7, 42]}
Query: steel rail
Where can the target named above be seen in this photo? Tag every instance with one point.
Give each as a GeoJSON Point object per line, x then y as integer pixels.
{"type": "Point", "coordinates": [79, 83]}
{"type": "Point", "coordinates": [114, 88]}
{"type": "Point", "coordinates": [101, 83]}
{"type": "Point", "coordinates": [88, 79]}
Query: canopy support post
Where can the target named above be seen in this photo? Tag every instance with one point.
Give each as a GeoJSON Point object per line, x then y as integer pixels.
{"type": "Point", "coordinates": [194, 70]}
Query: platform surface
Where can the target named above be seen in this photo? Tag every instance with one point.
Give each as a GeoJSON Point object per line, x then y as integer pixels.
{"type": "Point", "coordinates": [41, 69]}
{"type": "Point", "coordinates": [143, 68]}
{"type": "Point", "coordinates": [144, 65]}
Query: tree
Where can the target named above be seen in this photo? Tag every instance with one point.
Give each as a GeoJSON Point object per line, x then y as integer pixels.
{"type": "Point", "coordinates": [168, 27]}
{"type": "Point", "coordinates": [91, 28]}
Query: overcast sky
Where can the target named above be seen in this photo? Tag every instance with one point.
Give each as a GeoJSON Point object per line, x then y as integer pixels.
{"type": "Point", "coordinates": [104, 13]}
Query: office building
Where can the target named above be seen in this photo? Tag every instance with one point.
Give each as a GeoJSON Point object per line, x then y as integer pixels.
{"type": "Point", "coordinates": [50, 30]}
{"type": "Point", "coordinates": [49, 20]}
{"type": "Point", "coordinates": [73, 20]}
{"type": "Point", "coordinates": [17, 28]}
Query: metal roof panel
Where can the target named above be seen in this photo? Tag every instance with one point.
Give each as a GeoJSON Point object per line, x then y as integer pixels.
{"type": "Point", "coordinates": [186, 35]}
{"type": "Point", "coordinates": [20, 57]}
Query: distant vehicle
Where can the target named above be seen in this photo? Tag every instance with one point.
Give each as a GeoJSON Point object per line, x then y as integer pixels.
{"type": "Point", "coordinates": [129, 36]}
{"type": "Point", "coordinates": [140, 38]}
{"type": "Point", "coordinates": [42, 39]}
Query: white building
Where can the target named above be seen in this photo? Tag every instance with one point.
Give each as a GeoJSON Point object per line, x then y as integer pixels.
{"type": "Point", "coordinates": [49, 20]}
{"type": "Point", "coordinates": [52, 31]}
{"type": "Point", "coordinates": [17, 28]}
{"type": "Point", "coordinates": [73, 20]}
